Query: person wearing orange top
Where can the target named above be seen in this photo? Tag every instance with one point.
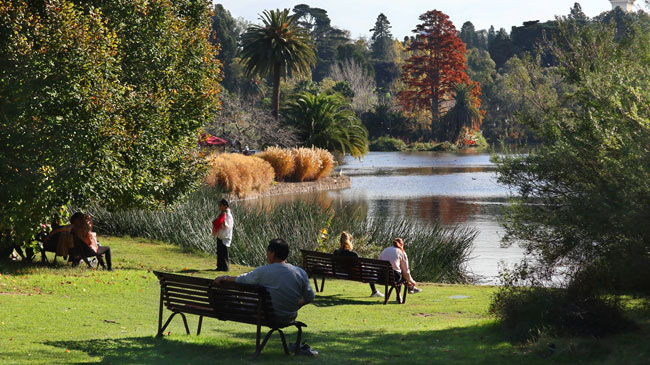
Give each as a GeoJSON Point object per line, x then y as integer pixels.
{"type": "Point", "coordinates": [82, 230]}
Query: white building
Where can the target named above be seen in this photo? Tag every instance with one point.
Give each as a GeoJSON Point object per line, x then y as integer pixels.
{"type": "Point", "coordinates": [625, 5]}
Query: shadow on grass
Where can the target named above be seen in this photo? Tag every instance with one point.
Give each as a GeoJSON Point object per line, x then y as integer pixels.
{"type": "Point", "coordinates": [337, 299]}
{"type": "Point", "coordinates": [477, 344]}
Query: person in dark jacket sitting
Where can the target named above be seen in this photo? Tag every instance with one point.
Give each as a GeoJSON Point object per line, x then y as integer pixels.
{"type": "Point", "coordinates": [346, 250]}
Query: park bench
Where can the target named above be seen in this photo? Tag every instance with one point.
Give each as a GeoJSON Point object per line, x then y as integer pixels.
{"type": "Point", "coordinates": [320, 264]}
{"type": "Point", "coordinates": [226, 301]}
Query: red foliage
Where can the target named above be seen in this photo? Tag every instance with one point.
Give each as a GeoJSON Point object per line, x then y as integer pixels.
{"type": "Point", "coordinates": [436, 66]}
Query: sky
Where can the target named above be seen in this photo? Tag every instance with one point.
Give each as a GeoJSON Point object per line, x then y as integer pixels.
{"type": "Point", "coordinates": [358, 16]}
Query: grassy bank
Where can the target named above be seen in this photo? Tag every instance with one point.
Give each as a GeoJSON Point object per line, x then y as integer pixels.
{"type": "Point", "coordinates": [55, 315]}
{"type": "Point", "coordinates": [438, 253]}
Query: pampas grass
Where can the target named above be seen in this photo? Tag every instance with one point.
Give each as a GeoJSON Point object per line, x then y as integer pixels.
{"type": "Point", "coordinates": [299, 164]}
{"type": "Point", "coordinates": [282, 161]}
{"type": "Point", "coordinates": [307, 164]}
{"type": "Point", "coordinates": [239, 174]}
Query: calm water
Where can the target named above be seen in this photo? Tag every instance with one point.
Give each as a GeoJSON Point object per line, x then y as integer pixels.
{"type": "Point", "coordinates": [454, 189]}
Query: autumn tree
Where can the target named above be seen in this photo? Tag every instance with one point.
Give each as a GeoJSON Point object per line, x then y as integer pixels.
{"type": "Point", "coordinates": [435, 67]}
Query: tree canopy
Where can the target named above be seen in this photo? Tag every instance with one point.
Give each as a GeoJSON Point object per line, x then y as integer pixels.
{"type": "Point", "coordinates": [100, 102]}
{"type": "Point", "coordinates": [436, 65]}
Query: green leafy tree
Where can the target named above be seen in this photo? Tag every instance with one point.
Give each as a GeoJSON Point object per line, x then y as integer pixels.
{"type": "Point", "coordinates": [584, 194]}
{"type": "Point", "coordinates": [327, 39]}
{"type": "Point", "coordinates": [327, 121]}
{"type": "Point", "coordinates": [279, 47]}
{"type": "Point", "coordinates": [100, 103]}
{"type": "Point", "coordinates": [468, 35]}
{"type": "Point", "coordinates": [501, 48]}
{"type": "Point", "coordinates": [225, 34]}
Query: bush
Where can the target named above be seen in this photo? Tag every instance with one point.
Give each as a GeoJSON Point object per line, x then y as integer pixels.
{"type": "Point", "coordinates": [437, 253]}
{"type": "Point", "coordinates": [282, 161]}
{"type": "Point", "coordinates": [387, 144]}
{"type": "Point", "coordinates": [529, 312]}
{"type": "Point", "coordinates": [239, 174]}
{"type": "Point", "coordinates": [422, 146]}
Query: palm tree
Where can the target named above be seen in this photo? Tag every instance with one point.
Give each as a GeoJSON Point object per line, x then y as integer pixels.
{"type": "Point", "coordinates": [279, 47]}
{"type": "Point", "coordinates": [326, 121]}
{"type": "Point", "coordinates": [464, 113]}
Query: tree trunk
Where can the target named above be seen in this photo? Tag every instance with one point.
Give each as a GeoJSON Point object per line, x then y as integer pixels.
{"type": "Point", "coordinates": [276, 91]}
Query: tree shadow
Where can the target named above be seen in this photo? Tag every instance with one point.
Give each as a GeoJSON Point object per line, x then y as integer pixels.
{"type": "Point", "coordinates": [476, 344]}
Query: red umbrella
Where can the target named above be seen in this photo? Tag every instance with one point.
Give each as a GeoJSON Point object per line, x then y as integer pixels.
{"type": "Point", "coordinates": [212, 141]}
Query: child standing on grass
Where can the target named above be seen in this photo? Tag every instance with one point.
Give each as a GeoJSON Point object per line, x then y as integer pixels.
{"type": "Point", "coordinates": [222, 228]}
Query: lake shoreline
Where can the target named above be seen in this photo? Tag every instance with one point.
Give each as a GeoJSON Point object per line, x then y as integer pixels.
{"type": "Point", "coordinates": [337, 182]}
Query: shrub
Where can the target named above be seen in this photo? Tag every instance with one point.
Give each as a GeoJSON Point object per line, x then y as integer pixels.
{"type": "Point", "coordinates": [282, 161]}
{"type": "Point", "coordinates": [307, 164]}
{"type": "Point", "coordinates": [528, 312]}
{"type": "Point", "coordinates": [387, 144]}
{"type": "Point", "coordinates": [422, 146]}
{"type": "Point", "coordinates": [239, 174]}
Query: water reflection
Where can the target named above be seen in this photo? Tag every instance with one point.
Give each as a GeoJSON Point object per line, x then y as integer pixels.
{"type": "Point", "coordinates": [453, 189]}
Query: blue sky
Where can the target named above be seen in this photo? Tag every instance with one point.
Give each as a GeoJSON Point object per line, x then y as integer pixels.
{"type": "Point", "coordinates": [358, 16]}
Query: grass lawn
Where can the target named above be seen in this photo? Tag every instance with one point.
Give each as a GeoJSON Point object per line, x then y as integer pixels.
{"type": "Point", "coordinates": [58, 314]}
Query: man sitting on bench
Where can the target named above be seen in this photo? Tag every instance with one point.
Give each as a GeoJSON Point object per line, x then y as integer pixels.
{"type": "Point", "coordinates": [288, 285]}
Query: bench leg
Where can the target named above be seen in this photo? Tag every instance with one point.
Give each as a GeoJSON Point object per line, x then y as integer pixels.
{"type": "Point", "coordinates": [160, 309]}
{"type": "Point", "coordinates": [258, 351]}
{"type": "Point", "coordinates": [388, 293]}
{"type": "Point", "coordinates": [284, 342]}
{"type": "Point", "coordinates": [322, 284]}
{"type": "Point", "coordinates": [161, 330]}
{"type": "Point", "coordinates": [297, 350]}
{"type": "Point", "coordinates": [259, 334]}
{"type": "Point", "coordinates": [406, 290]}
{"type": "Point", "coordinates": [187, 329]}
{"type": "Point", "coordinates": [316, 284]}
{"type": "Point", "coordinates": [198, 331]}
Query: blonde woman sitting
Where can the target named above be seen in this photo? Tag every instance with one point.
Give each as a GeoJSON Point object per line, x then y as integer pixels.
{"type": "Point", "coordinates": [346, 250]}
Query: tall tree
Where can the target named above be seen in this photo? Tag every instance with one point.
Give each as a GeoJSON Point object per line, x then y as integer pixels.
{"type": "Point", "coordinates": [279, 47]}
{"type": "Point", "coordinates": [381, 39]}
{"type": "Point", "coordinates": [501, 48]}
{"type": "Point", "coordinates": [226, 35]}
{"type": "Point", "coordinates": [326, 38]}
{"type": "Point", "coordinates": [436, 65]}
{"type": "Point", "coordinates": [468, 35]}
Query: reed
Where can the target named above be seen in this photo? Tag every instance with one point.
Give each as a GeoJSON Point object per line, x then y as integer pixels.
{"type": "Point", "coordinates": [437, 253]}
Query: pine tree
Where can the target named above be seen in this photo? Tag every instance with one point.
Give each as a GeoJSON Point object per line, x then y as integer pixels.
{"type": "Point", "coordinates": [381, 39]}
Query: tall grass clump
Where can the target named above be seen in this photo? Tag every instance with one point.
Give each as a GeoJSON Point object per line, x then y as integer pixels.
{"type": "Point", "coordinates": [327, 163]}
{"type": "Point", "coordinates": [307, 164]}
{"type": "Point", "coordinates": [239, 174]}
{"type": "Point", "coordinates": [299, 164]}
{"type": "Point", "coordinates": [282, 161]}
{"type": "Point", "coordinates": [437, 253]}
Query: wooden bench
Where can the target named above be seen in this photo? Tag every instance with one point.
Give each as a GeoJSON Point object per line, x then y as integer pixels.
{"type": "Point", "coordinates": [226, 301]}
{"type": "Point", "coordinates": [320, 264]}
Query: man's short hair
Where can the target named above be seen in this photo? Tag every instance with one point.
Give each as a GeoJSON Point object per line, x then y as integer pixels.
{"type": "Point", "coordinates": [279, 248]}
{"type": "Point", "coordinates": [225, 203]}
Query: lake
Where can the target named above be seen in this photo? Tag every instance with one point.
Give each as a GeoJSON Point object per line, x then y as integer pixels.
{"type": "Point", "coordinates": [450, 188]}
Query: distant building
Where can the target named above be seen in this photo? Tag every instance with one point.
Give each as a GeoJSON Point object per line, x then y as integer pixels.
{"type": "Point", "coordinates": [625, 5]}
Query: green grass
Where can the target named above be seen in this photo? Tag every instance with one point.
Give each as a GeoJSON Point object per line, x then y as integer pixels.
{"type": "Point", "coordinates": [58, 314]}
